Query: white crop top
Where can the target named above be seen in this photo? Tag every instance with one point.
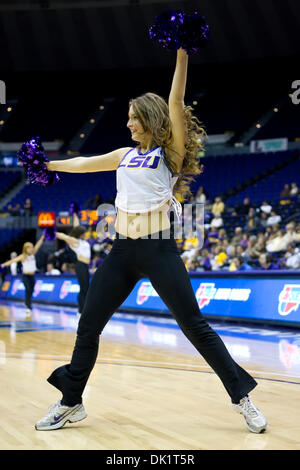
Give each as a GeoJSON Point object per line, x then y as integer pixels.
{"type": "Point", "coordinates": [29, 264]}
{"type": "Point", "coordinates": [144, 181]}
{"type": "Point", "coordinates": [82, 249]}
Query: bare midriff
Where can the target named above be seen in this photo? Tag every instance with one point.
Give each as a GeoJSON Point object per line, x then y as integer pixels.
{"type": "Point", "coordinates": [141, 224]}
{"type": "Point", "coordinates": [83, 259]}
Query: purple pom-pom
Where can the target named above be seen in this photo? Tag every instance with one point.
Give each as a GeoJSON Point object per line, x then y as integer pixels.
{"type": "Point", "coordinates": [50, 233]}
{"type": "Point", "coordinates": [176, 29]}
{"type": "Point", "coordinates": [74, 208]}
{"type": "Point", "coordinates": [165, 29]}
{"type": "Point", "coordinates": [33, 158]}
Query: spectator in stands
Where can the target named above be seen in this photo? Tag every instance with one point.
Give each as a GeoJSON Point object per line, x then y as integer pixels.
{"type": "Point", "coordinates": [222, 234]}
{"type": "Point", "coordinates": [51, 271]}
{"type": "Point", "coordinates": [245, 241]}
{"type": "Point", "coordinates": [10, 210]}
{"type": "Point", "coordinates": [266, 207]}
{"type": "Point", "coordinates": [251, 253]}
{"type": "Point", "coordinates": [235, 264]}
{"type": "Point", "coordinates": [190, 198]}
{"type": "Point", "coordinates": [191, 241]}
{"type": "Point", "coordinates": [243, 209]}
{"type": "Point", "coordinates": [292, 257]}
{"type": "Point", "coordinates": [240, 251]}
{"type": "Point", "coordinates": [65, 269]}
{"type": "Point", "coordinates": [200, 195]}
{"type": "Point", "coordinates": [266, 262]}
{"type": "Point", "coordinates": [205, 260]}
{"type": "Point", "coordinates": [263, 219]}
{"type": "Point", "coordinates": [14, 266]}
{"type": "Point", "coordinates": [291, 235]}
{"type": "Point", "coordinates": [294, 189]}
{"type": "Point", "coordinates": [274, 218]}
{"type": "Point", "coordinates": [217, 221]}
{"type": "Point", "coordinates": [276, 242]}
{"type": "Point", "coordinates": [219, 259]}
{"type": "Point", "coordinates": [238, 236]}
{"type": "Point", "coordinates": [72, 268]}
{"type": "Point", "coordinates": [260, 245]}
{"type": "Point", "coordinates": [218, 206]}
{"type": "Point", "coordinates": [252, 221]}
{"type": "Point", "coordinates": [229, 248]}
{"type": "Point", "coordinates": [17, 211]}
{"type": "Point", "coordinates": [27, 208]}
{"type": "Point", "coordinates": [239, 264]}
{"type": "Point", "coordinates": [285, 195]}
{"type": "Point", "coordinates": [213, 235]}
{"type": "Point", "coordinates": [192, 264]}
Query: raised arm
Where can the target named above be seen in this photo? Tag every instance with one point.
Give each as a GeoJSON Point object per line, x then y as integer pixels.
{"type": "Point", "coordinates": [11, 261]}
{"type": "Point", "coordinates": [38, 244]}
{"type": "Point", "coordinates": [107, 162]}
{"type": "Point", "coordinates": [72, 241]}
{"type": "Point", "coordinates": [176, 105]}
{"type": "Point", "coordinates": [76, 221]}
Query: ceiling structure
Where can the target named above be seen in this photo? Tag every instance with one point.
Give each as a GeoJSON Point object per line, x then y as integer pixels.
{"type": "Point", "coordinates": [100, 35]}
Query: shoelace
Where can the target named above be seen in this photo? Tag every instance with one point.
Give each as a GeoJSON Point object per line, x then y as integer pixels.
{"type": "Point", "coordinates": [249, 408]}
{"type": "Point", "coordinates": [53, 408]}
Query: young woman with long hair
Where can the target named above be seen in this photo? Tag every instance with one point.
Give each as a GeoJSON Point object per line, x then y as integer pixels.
{"type": "Point", "coordinates": [27, 258]}
{"type": "Point", "coordinates": [149, 175]}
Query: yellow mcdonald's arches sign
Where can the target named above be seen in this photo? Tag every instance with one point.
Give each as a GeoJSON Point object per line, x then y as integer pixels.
{"type": "Point", "coordinates": [46, 219]}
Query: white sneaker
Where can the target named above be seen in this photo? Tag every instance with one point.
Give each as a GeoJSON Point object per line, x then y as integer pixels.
{"type": "Point", "coordinates": [58, 415]}
{"type": "Point", "coordinates": [255, 420]}
{"type": "Point", "coordinates": [28, 311]}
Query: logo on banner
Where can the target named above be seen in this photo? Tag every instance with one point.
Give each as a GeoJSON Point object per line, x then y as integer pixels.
{"type": "Point", "coordinates": [42, 286]}
{"type": "Point", "coordinates": [289, 299]}
{"type": "Point", "coordinates": [145, 291]}
{"type": "Point", "coordinates": [17, 285]}
{"type": "Point", "coordinates": [67, 288]}
{"type": "Point", "coordinates": [207, 292]}
{"type": "Point", "coordinates": [37, 288]}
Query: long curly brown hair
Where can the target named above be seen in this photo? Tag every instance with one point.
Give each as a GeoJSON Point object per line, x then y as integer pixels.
{"type": "Point", "coordinates": [153, 113]}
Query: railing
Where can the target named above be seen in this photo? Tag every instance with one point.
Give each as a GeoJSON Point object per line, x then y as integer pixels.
{"type": "Point", "coordinates": [18, 222]}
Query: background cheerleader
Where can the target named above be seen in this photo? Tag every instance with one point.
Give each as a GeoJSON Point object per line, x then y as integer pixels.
{"type": "Point", "coordinates": [29, 268]}
{"type": "Point", "coordinates": [75, 240]}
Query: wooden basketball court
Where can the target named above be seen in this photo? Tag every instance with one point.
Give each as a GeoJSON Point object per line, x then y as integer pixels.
{"type": "Point", "coordinates": [150, 389]}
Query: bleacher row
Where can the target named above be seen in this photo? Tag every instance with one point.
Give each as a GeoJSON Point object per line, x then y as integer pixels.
{"type": "Point", "coordinates": [8, 179]}
{"type": "Point", "coordinates": [222, 176]}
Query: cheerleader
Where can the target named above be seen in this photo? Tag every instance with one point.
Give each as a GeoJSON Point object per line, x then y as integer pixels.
{"type": "Point", "coordinates": [27, 258]}
{"type": "Point", "coordinates": [82, 250]}
{"type": "Point", "coordinates": [148, 176]}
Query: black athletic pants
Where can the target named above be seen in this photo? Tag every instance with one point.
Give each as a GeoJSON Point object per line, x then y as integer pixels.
{"type": "Point", "coordinates": [160, 261]}
{"type": "Point", "coordinates": [83, 276]}
{"type": "Point", "coordinates": [28, 281]}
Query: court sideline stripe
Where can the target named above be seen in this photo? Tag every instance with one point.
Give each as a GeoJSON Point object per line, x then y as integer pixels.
{"type": "Point", "coordinates": [146, 364]}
